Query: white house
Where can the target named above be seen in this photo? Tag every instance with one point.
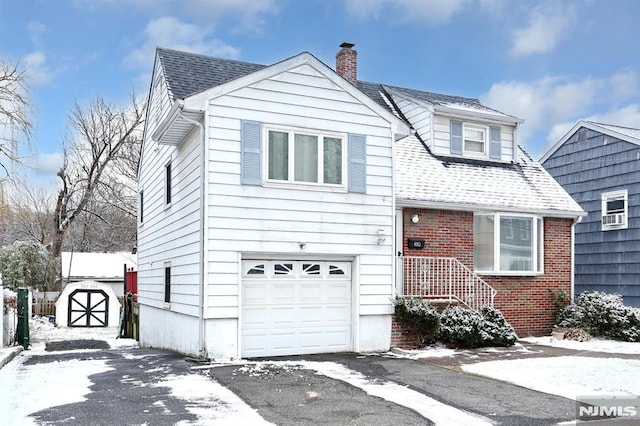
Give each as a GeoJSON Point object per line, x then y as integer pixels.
{"type": "Point", "coordinates": [279, 204]}
{"type": "Point", "coordinates": [266, 208]}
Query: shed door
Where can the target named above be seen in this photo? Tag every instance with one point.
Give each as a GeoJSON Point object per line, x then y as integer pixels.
{"type": "Point", "coordinates": [295, 307]}
{"type": "Point", "coordinates": [88, 308]}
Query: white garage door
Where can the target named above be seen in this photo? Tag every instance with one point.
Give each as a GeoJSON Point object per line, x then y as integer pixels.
{"type": "Point", "coordinates": [295, 307]}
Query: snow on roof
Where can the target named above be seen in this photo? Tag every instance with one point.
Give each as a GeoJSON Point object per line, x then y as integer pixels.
{"type": "Point", "coordinates": [423, 179]}
{"type": "Point", "coordinates": [97, 265]}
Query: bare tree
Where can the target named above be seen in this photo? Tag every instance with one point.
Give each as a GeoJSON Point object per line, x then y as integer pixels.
{"type": "Point", "coordinates": [14, 109]}
{"type": "Point", "coordinates": [103, 134]}
{"type": "Point", "coordinates": [28, 215]}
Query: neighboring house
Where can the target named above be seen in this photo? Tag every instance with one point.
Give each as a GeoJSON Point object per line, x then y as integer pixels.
{"type": "Point", "coordinates": [599, 165]}
{"type": "Point", "coordinates": [272, 216]}
{"type": "Point", "coordinates": [106, 268]}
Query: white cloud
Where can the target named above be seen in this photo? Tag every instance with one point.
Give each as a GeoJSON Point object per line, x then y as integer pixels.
{"type": "Point", "coordinates": [430, 11]}
{"type": "Point", "coordinates": [548, 24]}
{"type": "Point", "coordinates": [248, 13]}
{"type": "Point", "coordinates": [626, 116]}
{"type": "Point", "coordinates": [36, 31]}
{"type": "Point", "coordinates": [550, 106]}
{"type": "Point", "coordinates": [172, 33]}
{"type": "Point", "coordinates": [37, 69]}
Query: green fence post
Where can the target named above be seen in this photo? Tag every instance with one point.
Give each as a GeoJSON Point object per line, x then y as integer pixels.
{"type": "Point", "coordinates": [23, 317]}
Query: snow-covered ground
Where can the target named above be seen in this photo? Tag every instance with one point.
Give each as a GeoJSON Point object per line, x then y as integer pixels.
{"type": "Point", "coordinates": [567, 376]}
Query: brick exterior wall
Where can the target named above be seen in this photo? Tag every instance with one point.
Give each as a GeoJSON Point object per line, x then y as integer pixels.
{"type": "Point", "coordinates": [528, 302]}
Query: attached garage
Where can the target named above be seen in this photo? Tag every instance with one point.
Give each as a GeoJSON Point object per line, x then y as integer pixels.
{"type": "Point", "coordinates": [295, 307]}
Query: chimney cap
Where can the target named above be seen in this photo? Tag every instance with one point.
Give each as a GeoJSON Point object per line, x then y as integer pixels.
{"type": "Point", "coordinates": [347, 45]}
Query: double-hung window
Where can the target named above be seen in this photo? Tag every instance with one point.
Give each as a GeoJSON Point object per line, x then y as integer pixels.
{"type": "Point", "coordinates": [614, 210]}
{"type": "Point", "coordinates": [507, 243]}
{"type": "Point", "coordinates": [299, 156]}
{"type": "Point", "coordinates": [475, 138]}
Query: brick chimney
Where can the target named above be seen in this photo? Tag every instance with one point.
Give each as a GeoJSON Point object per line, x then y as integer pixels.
{"type": "Point", "coordinates": [347, 63]}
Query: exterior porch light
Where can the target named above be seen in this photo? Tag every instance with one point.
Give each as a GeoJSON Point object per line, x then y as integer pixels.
{"type": "Point", "coordinates": [415, 218]}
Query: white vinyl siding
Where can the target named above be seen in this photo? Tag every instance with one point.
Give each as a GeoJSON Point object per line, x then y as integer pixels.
{"type": "Point", "coordinates": [442, 137]}
{"type": "Point", "coordinates": [170, 234]}
{"type": "Point", "coordinates": [274, 219]}
{"type": "Point", "coordinates": [420, 118]}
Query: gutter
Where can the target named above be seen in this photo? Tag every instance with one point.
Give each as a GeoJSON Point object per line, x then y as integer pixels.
{"type": "Point", "coordinates": [479, 208]}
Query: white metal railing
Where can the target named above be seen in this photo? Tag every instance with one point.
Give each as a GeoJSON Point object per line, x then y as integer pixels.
{"type": "Point", "coordinates": [444, 279]}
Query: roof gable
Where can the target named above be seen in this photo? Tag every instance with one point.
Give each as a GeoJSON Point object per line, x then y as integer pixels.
{"type": "Point", "coordinates": [627, 134]}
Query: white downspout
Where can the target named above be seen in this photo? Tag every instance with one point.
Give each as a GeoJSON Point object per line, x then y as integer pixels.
{"type": "Point", "coordinates": [201, 338]}
{"type": "Point", "coordinates": [573, 255]}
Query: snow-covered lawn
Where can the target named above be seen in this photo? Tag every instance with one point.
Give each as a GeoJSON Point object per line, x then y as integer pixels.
{"type": "Point", "coordinates": [573, 376]}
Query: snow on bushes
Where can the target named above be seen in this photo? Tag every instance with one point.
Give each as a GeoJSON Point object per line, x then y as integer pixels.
{"type": "Point", "coordinates": [460, 326]}
{"type": "Point", "coordinates": [602, 314]}
{"type": "Point", "coordinates": [423, 319]}
{"type": "Point", "coordinates": [469, 329]}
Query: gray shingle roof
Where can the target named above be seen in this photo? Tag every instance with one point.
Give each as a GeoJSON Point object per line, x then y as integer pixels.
{"type": "Point", "coordinates": [189, 73]}
{"type": "Point", "coordinates": [526, 186]}
{"type": "Point", "coordinates": [420, 176]}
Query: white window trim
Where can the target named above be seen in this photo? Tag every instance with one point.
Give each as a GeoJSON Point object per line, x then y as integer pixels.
{"type": "Point", "coordinates": [168, 185]}
{"type": "Point", "coordinates": [291, 171]}
{"type": "Point", "coordinates": [538, 245]}
{"type": "Point", "coordinates": [485, 131]}
{"type": "Point", "coordinates": [619, 224]}
{"type": "Point", "coordinates": [165, 304]}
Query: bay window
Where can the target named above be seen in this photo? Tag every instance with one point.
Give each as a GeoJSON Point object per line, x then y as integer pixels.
{"type": "Point", "coordinates": [507, 243]}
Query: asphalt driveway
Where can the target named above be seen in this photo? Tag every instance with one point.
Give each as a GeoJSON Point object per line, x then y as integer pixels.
{"type": "Point", "coordinates": [286, 394]}
{"type": "Point", "coordinates": [133, 386]}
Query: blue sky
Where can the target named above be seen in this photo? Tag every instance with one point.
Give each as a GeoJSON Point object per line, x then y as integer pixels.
{"type": "Point", "coordinates": [550, 63]}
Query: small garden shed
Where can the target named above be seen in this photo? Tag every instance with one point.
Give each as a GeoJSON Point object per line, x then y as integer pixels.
{"type": "Point", "coordinates": [87, 304]}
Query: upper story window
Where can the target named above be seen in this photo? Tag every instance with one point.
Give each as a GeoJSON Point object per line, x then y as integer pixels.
{"type": "Point", "coordinates": [475, 140]}
{"type": "Point", "coordinates": [615, 210]}
{"type": "Point", "coordinates": [507, 244]}
{"type": "Point", "coordinates": [167, 183]}
{"type": "Point", "coordinates": [141, 206]}
{"type": "Point", "coordinates": [299, 156]}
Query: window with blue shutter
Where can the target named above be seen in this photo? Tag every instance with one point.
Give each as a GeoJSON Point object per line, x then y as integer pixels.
{"type": "Point", "coordinates": [357, 163]}
{"type": "Point", "coordinates": [495, 144]}
{"type": "Point", "coordinates": [456, 137]}
{"type": "Point", "coordinates": [251, 155]}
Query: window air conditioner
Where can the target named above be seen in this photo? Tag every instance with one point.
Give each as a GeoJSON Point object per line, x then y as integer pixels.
{"type": "Point", "coordinates": [613, 219]}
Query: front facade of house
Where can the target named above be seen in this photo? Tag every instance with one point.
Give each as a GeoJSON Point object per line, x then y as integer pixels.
{"type": "Point", "coordinates": [267, 212]}
{"type": "Point", "coordinates": [271, 210]}
{"type": "Point", "coordinates": [598, 165]}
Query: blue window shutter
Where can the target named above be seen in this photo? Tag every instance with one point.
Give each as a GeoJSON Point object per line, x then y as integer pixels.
{"type": "Point", "coordinates": [357, 163]}
{"type": "Point", "coordinates": [495, 144]}
{"type": "Point", "coordinates": [456, 137]}
{"type": "Point", "coordinates": [251, 156]}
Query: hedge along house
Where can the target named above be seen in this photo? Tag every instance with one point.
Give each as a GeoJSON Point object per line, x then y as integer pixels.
{"type": "Point", "coordinates": [478, 221]}
{"type": "Point", "coordinates": [598, 164]}
{"type": "Point", "coordinates": [273, 220]}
